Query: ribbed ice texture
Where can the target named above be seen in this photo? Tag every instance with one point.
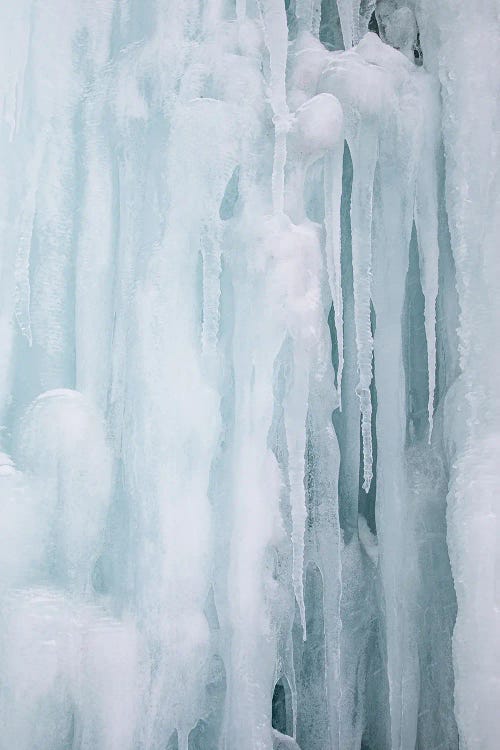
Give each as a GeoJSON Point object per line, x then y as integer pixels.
{"type": "Point", "coordinates": [249, 306]}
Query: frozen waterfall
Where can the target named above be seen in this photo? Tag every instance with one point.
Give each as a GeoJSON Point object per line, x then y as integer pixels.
{"type": "Point", "coordinates": [249, 383]}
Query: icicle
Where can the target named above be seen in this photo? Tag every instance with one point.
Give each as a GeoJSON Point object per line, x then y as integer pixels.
{"type": "Point", "coordinates": [333, 195]}
{"type": "Point", "coordinates": [364, 13]}
{"type": "Point", "coordinates": [296, 403]}
{"type": "Point", "coordinates": [426, 221]}
{"type": "Point", "coordinates": [354, 19]}
{"type": "Point", "coordinates": [392, 225]}
{"type": "Point", "coordinates": [304, 13]}
{"type": "Point", "coordinates": [211, 287]}
{"type": "Point", "coordinates": [276, 36]}
{"type": "Point", "coordinates": [428, 252]}
{"type": "Point", "coordinates": [352, 77]}
{"type": "Point", "coordinates": [22, 271]}
{"type": "Point", "coordinates": [364, 156]}
{"type": "Point", "coordinates": [207, 127]}
{"type": "Point", "coordinates": [317, 129]}
{"type": "Point", "coordinates": [316, 18]}
{"type": "Point", "coordinates": [345, 8]}
{"type": "Point", "coordinates": [308, 14]}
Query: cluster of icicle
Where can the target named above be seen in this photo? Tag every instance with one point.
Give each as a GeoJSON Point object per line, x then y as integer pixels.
{"type": "Point", "coordinates": [227, 458]}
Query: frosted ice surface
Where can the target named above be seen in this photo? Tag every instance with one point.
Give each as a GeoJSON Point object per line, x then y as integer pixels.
{"type": "Point", "coordinates": [249, 410]}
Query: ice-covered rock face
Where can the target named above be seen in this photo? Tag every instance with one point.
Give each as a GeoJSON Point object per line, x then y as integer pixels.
{"type": "Point", "coordinates": [248, 397]}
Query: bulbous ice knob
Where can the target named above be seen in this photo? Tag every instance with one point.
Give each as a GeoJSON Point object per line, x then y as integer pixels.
{"type": "Point", "coordinates": [318, 125]}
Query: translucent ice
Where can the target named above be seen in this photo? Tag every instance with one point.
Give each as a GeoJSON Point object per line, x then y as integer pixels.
{"type": "Point", "coordinates": [249, 412]}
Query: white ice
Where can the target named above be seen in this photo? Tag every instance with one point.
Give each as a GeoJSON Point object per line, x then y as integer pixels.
{"type": "Point", "coordinates": [249, 411]}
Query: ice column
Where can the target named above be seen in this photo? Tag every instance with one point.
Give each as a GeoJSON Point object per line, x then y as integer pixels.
{"type": "Point", "coordinates": [462, 47]}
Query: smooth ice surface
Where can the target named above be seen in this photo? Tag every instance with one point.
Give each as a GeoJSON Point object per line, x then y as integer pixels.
{"type": "Point", "coordinates": [249, 402]}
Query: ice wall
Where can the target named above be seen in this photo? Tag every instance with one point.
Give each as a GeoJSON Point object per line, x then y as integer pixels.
{"type": "Point", "coordinates": [248, 396]}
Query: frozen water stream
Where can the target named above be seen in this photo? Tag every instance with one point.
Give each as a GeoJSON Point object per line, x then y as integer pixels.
{"type": "Point", "coordinates": [249, 403]}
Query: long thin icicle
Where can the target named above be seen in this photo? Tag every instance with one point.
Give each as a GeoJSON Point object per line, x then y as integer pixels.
{"type": "Point", "coordinates": [345, 8]}
{"type": "Point", "coordinates": [210, 121]}
{"type": "Point", "coordinates": [364, 155]}
{"type": "Point", "coordinates": [333, 195]}
{"type": "Point", "coordinates": [276, 36]}
{"type": "Point", "coordinates": [296, 404]}
{"type": "Point", "coordinates": [22, 271]}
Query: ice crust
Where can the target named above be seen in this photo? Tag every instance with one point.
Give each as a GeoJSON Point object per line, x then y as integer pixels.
{"type": "Point", "coordinates": [249, 388]}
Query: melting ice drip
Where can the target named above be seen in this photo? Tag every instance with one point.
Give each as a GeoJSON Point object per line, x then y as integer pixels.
{"type": "Point", "coordinates": [242, 439]}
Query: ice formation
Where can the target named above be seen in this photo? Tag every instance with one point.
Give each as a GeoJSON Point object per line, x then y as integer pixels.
{"type": "Point", "coordinates": [249, 388]}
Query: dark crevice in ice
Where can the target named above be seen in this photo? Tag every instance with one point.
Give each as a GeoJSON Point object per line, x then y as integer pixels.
{"type": "Point", "coordinates": [352, 498]}
{"type": "Point", "coordinates": [334, 342]}
{"type": "Point", "coordinates": [282, 718]}
{"type": "Point", "coordinates": [343, 420]}
{"type": "Point", "coordinates": [291, 18]}
{"type": "Point", "coordinates": [415, 350]}
{"type": "Point", "coordinates": [373, 24]}
{"type": "Point", "coordinates": [447, 307]}
{"type": "Point", "coordinates": [211, 611]}
{"type": "Point", "coordinates": [202, 737]}
{"type": "Point", "coordinates": [231, 195]}
{"type": "Point", "coordinates": [417, 51]}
